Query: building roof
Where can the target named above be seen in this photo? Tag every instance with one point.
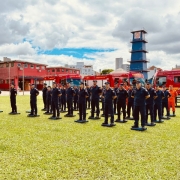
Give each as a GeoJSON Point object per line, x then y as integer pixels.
{"type": "Point", "coordinates": [22, 61]}
{"type": "Point", "coordinates": [55, 67]}
{"type": "Point", "coordinates": [142, 30]}
{"type": "Point", "coordinates": [154, 67]}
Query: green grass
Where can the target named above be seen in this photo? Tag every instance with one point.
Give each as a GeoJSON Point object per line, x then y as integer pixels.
{"type": "Point", "coordinates": [37, 148]}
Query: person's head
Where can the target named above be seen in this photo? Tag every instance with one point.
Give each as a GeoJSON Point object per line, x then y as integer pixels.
{"type": "Point", "coordinates": [12, 85]}
{"type": "Point", "coordinates": [94, 82]}
{"type": "Point", "coordinates": [49, 88]}
{"type": "Point", "coordinates": [87, 85]}
{"type": "Point", "coordinates": [44, 85]}
{"type": "Point", "coordinates": [157, 87]}
{"type": "Point", "coordinates": [138, 84]}
{"type": "Point", "coordinates": [170, 87]}
{"type": "Point", "coordinates": [75, 87]}
{"type": "Point", "coordinates": [116, 85]}
{"type": "Point", "coordinates": [148, 85]}
{"type": "Point", "coordinates": [54, 84]}
{"type": "Point", "coordinates": [125, 83]}
{"type": "Point", "coordinates": [32, 86]}
{"type": "Point", "coordinates": [107, 84]}
{"type": "Point", "coordinates": [81, 85]}
{"type": "Point", "coordinates": [131, 87]}
{"type": "Point", "coordinates": [121, 86]}
{"type": "Point", "coordinates": [164, 88]}
{"type": "Point", "coordinates": [68, 84]}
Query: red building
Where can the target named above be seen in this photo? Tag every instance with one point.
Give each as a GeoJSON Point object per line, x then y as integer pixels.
{"type": "Point", "coordinates": [18, 71]}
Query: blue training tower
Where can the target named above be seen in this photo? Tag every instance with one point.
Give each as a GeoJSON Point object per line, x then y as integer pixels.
{"type": "Point", "coordinates": [138, 53]}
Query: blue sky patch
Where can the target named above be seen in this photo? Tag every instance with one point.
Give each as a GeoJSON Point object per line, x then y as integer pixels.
{"type": "Point", "coordinates": [76, 52]}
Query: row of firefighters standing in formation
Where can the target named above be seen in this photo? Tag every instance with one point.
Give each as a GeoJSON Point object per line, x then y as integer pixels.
{"type": "Point", "coordinates": [146, 101]}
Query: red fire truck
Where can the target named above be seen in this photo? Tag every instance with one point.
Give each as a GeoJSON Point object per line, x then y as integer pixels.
{"type": "Point", "coordinates": [166, 78]}
{"type": "Point", "coordinates": [113, 77]}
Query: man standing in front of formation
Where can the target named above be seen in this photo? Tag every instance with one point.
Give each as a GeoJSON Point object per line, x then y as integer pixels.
{"type": "Point", "coordinates": [109, 95]}
{"type": "Point", "coordinates": [44, 93]}
{"type": "Point", "coordinates": [13, 94]}
{"type": "Point", "coordinates": [140, 95]}
{"type": "Point", "coordinates": [69, 94]}
{"type": "Point", "coordinates": [33, 101]}
{"type": "Point", "coordinates": [82, 95]}
{"type": "Point", "coordinates": [95, 93]}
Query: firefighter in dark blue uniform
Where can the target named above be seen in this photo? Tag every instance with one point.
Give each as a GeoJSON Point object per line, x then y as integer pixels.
{"type": "Point", "coordinates": [140, 95]}
{"type": "Point", "coordinates": [82, 95]}
{"type": "Point", "coordinates": [56, 93]}
{"type": "Point", "coordinates": [158, 104]}
{"type": "Point", "coordinates": [102, 100]}
{"type": "Point", "coordinates": [150, 102]}
{"type": "Point", "coordinates": [48, 100]}
{"type": "Point", "coordinates": [115, 100]}
{"type": "Point", "coordinates": [63, 99]}
{"type": "Point", "coordinates": [69, 95]}
{"type": "Point", "coordinates": [108, 94]}
{"type": "Point", "coordinates": [130, 102]}
{"type": "Point", "coordinates": [44, 90]}
{"type": "Point", "coordinates": [33, 100]}
{"type": "Point", "coordinates": [165, 101]}
{"type": "Point", "coordinates": [95, 93]}
{"type": "Point", "coordinates": [13, 94]}
{"type": "Point", "coordinates": [75, 98]}
{"type": "Point", "coordinates": [88, 99]}
{"type": "Point", "coordinates": [121, 102]}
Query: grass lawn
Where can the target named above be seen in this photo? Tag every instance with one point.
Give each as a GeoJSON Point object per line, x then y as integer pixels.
{"type": "Point", "coordinates": [38, 148]}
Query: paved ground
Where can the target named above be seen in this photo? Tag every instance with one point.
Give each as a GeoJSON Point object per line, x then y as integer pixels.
{"type": "Point", "coordinates": [6, 93]}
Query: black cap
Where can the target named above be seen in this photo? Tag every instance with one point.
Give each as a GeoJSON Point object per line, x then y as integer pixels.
{"type": "Point", "coordinates": [31, 84]}
{"type": "Point", "coordinates": [81, 83]}
{"type": "Point", "coordinates": [148, 82]}
{"type": "Point", "coordinates": [94, 80]}
{"type": "Point", "coordinates": [137, 82]}
{"type": "Point", "coordinates": [121, 84]}
{"type": "Point", "coordinates": [116, 83]}
{"type": "Point", "coordinates": [54, 83]}
{"type": "Point", "coordinates": [106, 83]}
{"type": "Point", "coordinates": [45, 84]}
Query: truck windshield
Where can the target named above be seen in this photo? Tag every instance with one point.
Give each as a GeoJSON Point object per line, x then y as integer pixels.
{"type": "Point", "coordinates": [139, 79]}
{"type": "Point", "coordinates": [161, 81]}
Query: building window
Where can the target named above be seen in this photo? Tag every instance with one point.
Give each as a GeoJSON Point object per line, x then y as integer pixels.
{"type": "Point", "coordinates": [66, 70]}
{"type": "Point", "coordinates": [12, 64]}
{"type": "Point", "coordinates": [42, 67]}
{"type": "Point", "coordinates": [62, 70]}
{"type": "Point", "coordinates": [58, 70]}
{"type": "Point", "coordinates": [48, 70]}
{"type": "Point", "coordinates": [161, 81]}
{"type": "Point", "coordinates": [7, 64]}
{"type": "Point", "coordinates": [1, 81]}
{"type": "Point", "coordinates": [177, 79]}
{"type": "Point", "coordinates": [37, 67]}
{"type": "Point", "coordinates": [53, 70]}
{"type": "Point", "coordinates": [32, 66]}
{"type": "Point", "coordinates": [26, 65]}
{"type": "Point", "coordinates": [19, 65]}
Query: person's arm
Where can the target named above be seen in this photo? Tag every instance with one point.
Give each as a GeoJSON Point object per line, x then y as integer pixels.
{"type": "Point", "coordinates": [37, 92]}
{"type": "Point", "coordinates": [163, 96]}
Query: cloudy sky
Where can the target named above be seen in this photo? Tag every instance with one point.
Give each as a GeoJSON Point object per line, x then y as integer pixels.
{"type": "Point", "coordinates": [58, 32]}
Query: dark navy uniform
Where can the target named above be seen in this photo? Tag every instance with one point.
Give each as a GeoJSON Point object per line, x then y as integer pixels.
{"type": "Point", "coordinates": [115, 101]}
{"type": "Point", "coordinates": [63, 99]}
{"type": "Point", "coordinates": [70, 93]}
{"type": "Point", "coordinates": [121, 102]}
{"type": "Point", "coordinates": [150, 104]}
{"type": "Point", "coordinates": [55, 101]}
{"type": "Point", "coordinates": [82, 94]}
{"type": "Point", "coordinates": [13, 94]}
{"type": "Point", "coordinates": [108, 104]}
{"type": "Point", "coordinates": [76, 99]}
{"type": "Point", "coordinates": [44, 96]}
{"type": "Point", "coordinates": [139, 105]}
{"type": "Point", "coordinates": [130, 103]}
{"type": "Point", "coordinates": [88, 99]}
{"type": "Point", "coordinates": [33, 100]}
{"type": "Point", "coordinates": [48, 101]}
{"type": "Point", "coordinates": [165, 102]}
{"type": "Point", "coordinates": [95, 92]}
{"type": "Point", "coordinates": [102, 99]}
{"type": "Point", "coordinates": [158, 105]}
